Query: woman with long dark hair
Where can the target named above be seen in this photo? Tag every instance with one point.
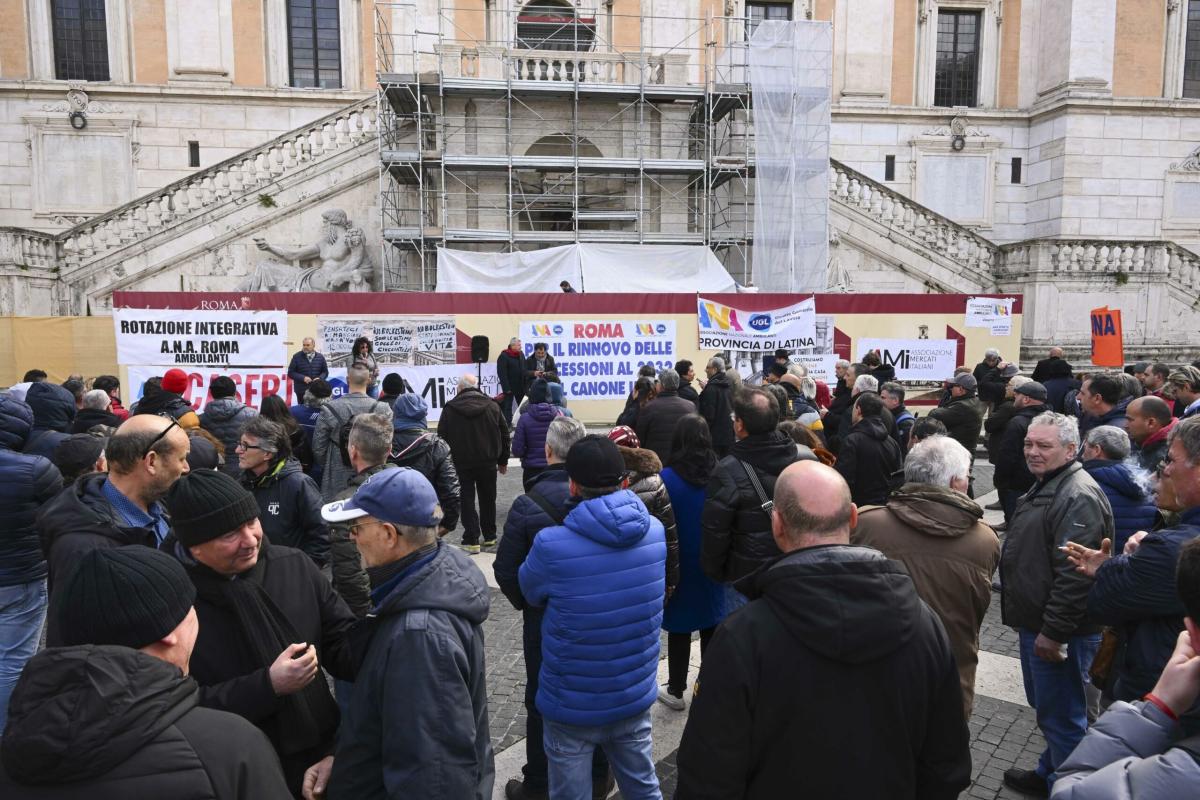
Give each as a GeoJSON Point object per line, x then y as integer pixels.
{"type": "Point", "coordinates": [643, 392]}
{"type": "Point", "coordinates": [363, 353]}
{"type": "Point", "coordinates": [698, 603]}
{"type": "Point", "coordinates": [276, 409]}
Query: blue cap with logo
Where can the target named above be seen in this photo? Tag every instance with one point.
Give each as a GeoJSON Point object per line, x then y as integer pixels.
{"type": "Point", "coordinates": [400, 496]}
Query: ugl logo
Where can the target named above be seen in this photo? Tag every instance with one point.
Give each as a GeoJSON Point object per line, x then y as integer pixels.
{"type": "Point", "coordinates": [898, 359]}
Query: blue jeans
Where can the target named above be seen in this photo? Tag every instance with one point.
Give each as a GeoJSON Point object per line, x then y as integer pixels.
{"type": "Point", "coordinates": [22, 613]}
{"type": "Point", "coordinates": [1056, 693]}
{"type": "Point", "coordinates": [627, 744]}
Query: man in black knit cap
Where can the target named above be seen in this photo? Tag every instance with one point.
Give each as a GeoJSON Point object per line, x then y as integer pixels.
{"type": "Point", "coordinates": [113, 713]}
{"type": "Point", "coordinates": [268, 620]}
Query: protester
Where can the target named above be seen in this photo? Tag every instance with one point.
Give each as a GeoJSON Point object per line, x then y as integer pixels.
{"type": "Point", "coordinates": [332, 430]}
{"type": "Point", "coordinates": [275, 408]}
{"type": "Point", "coordinates": [28, 482]}
{"type": "Point", "coordinates": [145, 457]}
{"type": "Point", "coordinates": [113, 714]}
{"type": "Point", "coordinates": [656, 424]}
{"type": "Point", "coordinates": [546, 504]}
{"type": "Point", "coordinates": [510, 369]}
{"type": "Point", "coordinates": [391, 387]}
{"type": "Point", "coordinates": [289, 501]}
{"type": "Point", "coordinates": [1135, 588]}
{"type": "Point", "coordinates": [53, 413]}
{"type": "Point", "coordinates": [991, 360]}
{"type": "Point", "coordinates": [643, 475]}
{"type": "Point", "coordinates": [861, 383]}
{"type": "Point", "coordinates": [416, 447]}
{"type": "Point", "coordinates": [165, 397]}
{"type": "Point", "coordinates": [477, 432]}
{"type": "Point", "coordinates": [591, 623]}
{"type": "Point", "coordinates": [1012, 477]}
{"type": "Point", "coordinates": [95, 411]}
{"type": "Point", "coordinates": [225, 416]}
{"type": "Point", "coordinates": [538, 363]}
{"type": "Point", "coordinates": [268, 621]}
{"type": "Point", "coordinates": [997, 420]}
{"type": "Point", "coordinates": [34, 376]}
{"type": "Point", "coordinates": [806, 441]}
{"type": "Point", "coordinates": [1154, 379]}
{"type": "Point", "coordinates": [736, 521]}
{"type": "Point", "coordinates": [773, 373]}
{"type": "Point", "coordinates": [417, 724]}
{"type": "Point", "coordinates": [716, 404]}
{"type": "Point", "coordinates": [362, 353]}
{"type": "Point", "coordinates": [687, 373]}
{"type": "Point", "coordinates": [80, 454]}
{"type": "Point", "coordinates": [306, 366]}
{"type": "Point", "coordinates": [370, 446]}
{"type": "Point", "coordinates": [698, 603]}
{"type": "Point", "coordinates": [938, 533]}
{"type": "Point", "coordinates": [1099, 398]}
{"type": "Point", "coordinates": [963, 414]}
{"type": "Point", "coordinates": [892, 394]}
{"type": "Point", "coordinates": [558, 397]}
{"type": "Point", "coordinates": [924, 428]}
{"type": "Point", "coordinates": [869, 460]}
{"type": "Point", "coordinates": [1104, 454]}
{"type": "Point", "coordinates": [205, 451]}
{"type": "Point", "coordinates": [1049, 365]}
{"type": "Point", "coordinates": [644, 390]}
{"type": "Point", "coordinates": [1044, 598]}
{"type": "Point", "coordinates": [1184, 389]}
{"type": "Point", "coordinates": [529, 440]}
{"type": "Point", "coordinates": [112, 387]}
{"type": "Point", "coordinates": [833, 633]}
{"type": "Point", "coordinates": [882, 373]}
{"type": "Point", "coordinates": [306, 414]}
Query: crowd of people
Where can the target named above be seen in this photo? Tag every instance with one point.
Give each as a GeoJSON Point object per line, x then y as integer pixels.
{"type": "Point", "coordinates": [243, 602]}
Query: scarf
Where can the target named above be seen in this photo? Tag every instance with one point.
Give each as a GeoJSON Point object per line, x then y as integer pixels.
{"type": "Point", "coordinates": [307, 718]}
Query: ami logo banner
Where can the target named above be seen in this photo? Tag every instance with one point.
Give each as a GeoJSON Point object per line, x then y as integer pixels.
{"type": "Point", "coordinates": [722, 327]}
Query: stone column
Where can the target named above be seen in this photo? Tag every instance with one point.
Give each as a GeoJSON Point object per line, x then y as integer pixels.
{"type": "Point", "coordinates": [862, 72]}
{"type": "Point", "coordinates": [1075, 47]}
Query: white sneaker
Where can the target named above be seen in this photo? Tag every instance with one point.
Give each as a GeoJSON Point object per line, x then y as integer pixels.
{"type": "Point", "coordinates": [669, 700]}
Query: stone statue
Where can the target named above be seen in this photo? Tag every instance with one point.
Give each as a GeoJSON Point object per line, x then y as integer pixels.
{"type": "Point", "coordinates": [337, 263]}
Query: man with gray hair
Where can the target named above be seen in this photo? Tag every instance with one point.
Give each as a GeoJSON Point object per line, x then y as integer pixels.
{"type": "Point", "coordinates": [1043, 596]}
{"type": "Point", "coordinates": [716, 406]}
{"type": "Point", "coordinates": [477, 432]}
{"type": "Point", "coordinates": [95, 411]}
{"type": "Point", "coordinates": [658, 418]}
{"type": "Point", "coordinates": [330, 443]}
{"type": "Point", "coordinates": [544, 505]}
{"type": "Point", "coordinates": [938, 532]}
{"type": "Point", "coordinates": [1105, 451]}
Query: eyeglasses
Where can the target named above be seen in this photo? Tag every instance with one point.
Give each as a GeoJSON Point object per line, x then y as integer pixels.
{"type": "Point", "coordinates": [157, 439]}
{"type": "Point", "coordinates": [247, 446]}
{"type": "Point", "coordinates": [354, 528]}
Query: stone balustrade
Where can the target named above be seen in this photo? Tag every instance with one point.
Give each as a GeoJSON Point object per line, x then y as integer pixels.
{"type": "Point", "coordinates": [26, 249]}
{"type": "Point", "coordinates": [504, 63]}
{"type": "Point", "coordinates": [1119, 261]}
{"type": "Point", "coordinates": [244, 176]}
{"type": "Point", "coordinates": [908, 219]}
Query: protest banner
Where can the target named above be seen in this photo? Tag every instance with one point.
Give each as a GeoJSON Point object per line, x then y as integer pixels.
{"type": "Point", "coordinates": [914, 359]}
{"type": "Point", "coordinates": [992, 313]}
{"type": "Point", "coordinates": [253, 384]}
{"type": "Point", "coordinates": [1108, 347]}
{"type": "Point", "coordinates": [438, 384]}
{"type": "Point", "coordinates": [177, 337]}
{"type": "Point", "coordinates": [600, 360]}
{"type": "Point", "coordinates": [820, 367]}
{"type": "Point", "coordinates": [394, 340]}
{"type": "Point", "coordinates": [722, 327]}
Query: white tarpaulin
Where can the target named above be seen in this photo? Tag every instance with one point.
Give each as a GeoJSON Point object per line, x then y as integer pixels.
{"type": "Point", "coordinates": [589, 268]}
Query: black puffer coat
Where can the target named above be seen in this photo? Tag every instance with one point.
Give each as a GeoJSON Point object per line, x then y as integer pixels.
{"type": "Point", "coordinates": [290, 503]}
{"type": "Point", "coordinates": [474, 427]}
{"type": "Point", "coordinates": [656, 424]}
{"type": "Point", "coordinates": [963, 418]}
{"type": "Point", "coordinates": [735, 531]}
{"type": "Point", "coordinates": [646, 482]}
{"type": "Point", "coordinates": [26, 483]}
{"type": "Point", "coordinates": [716, 404]}
{"type": "Point", "coordinates": [871, 462]}
{"type": "Point", "coordinates": [101, 723]}
{"type": "Point", "coordinates": [1012, 472]}
{"type": "Point", "coordinates": [88, 418]}
{"type": "Point", "coordinates": [53, 412]}
{"type": "Point", "coordinates": [429, 455]}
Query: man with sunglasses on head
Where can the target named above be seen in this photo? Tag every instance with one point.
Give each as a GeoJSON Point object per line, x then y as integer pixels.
{"type": "Point", "coordinates": [146, 455]}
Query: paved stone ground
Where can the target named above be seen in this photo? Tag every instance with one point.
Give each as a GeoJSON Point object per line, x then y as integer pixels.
{"type": "Point", "coordinates": [1002, 733]}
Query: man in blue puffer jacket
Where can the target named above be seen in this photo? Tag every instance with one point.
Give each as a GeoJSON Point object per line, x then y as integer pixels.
{"type": "Point", "coordinates": [1105, 451]}
{"type": "Point", "coordinates": [26, 482]}
{"type": "Point", "coordinates": [53, 410]}
{"type": "Point", "coordinates": [601, 576]}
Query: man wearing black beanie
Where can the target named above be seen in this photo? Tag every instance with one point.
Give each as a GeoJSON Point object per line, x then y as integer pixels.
{"type": "Point", "coordinates": [113, 714]}
{"type": "Point", "coordinates": [268, 621]}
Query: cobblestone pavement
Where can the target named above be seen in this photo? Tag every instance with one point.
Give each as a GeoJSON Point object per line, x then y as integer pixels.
{"type": "Point", "coordinates": [1003, 734]}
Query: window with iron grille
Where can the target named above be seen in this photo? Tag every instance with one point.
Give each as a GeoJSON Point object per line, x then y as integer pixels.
{"type": "Point", "coordinates": [956, 78]}
{"type": "Point", "coordinates": [1191, 52]}
{"type": "Point", "coordinates": [314, 44]}
{"type": "Point", "coordinates": [554, 26]}
{"type": "Point", "coordinates": [757, 12]}
{"type": "Point", "coordinates": [80, 40]}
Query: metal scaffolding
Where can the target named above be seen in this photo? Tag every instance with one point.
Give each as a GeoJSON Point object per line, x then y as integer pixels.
{"type": "Point", "coordinates": [506, 127]}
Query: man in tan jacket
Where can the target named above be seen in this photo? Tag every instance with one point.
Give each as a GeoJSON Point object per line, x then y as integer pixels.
{"type": "Point", "coordinates": [938, 533]}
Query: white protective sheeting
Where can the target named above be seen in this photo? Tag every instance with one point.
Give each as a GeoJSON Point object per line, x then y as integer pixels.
{"type": "Point", "coordinates": [608, 268]}
{"type": "Point", "coordinates": [532, 271]}
{"type": "Point", "coordinates": [791, 70]}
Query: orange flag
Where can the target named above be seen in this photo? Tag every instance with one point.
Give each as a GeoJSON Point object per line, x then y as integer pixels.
{"type": "Point", "coordinates": [1108, 349]}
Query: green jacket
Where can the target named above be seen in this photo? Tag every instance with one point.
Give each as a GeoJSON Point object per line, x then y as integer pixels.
{"type": "Point", "coordinates": [1042, 592]}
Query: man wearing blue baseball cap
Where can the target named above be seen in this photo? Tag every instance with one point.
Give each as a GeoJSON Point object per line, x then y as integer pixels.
{"type": "Point", "coordinates": [420, 686]}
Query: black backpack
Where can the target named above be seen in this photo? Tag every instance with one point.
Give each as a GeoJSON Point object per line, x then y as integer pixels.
{"type": "Point", "coordinates": [343, 438]}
